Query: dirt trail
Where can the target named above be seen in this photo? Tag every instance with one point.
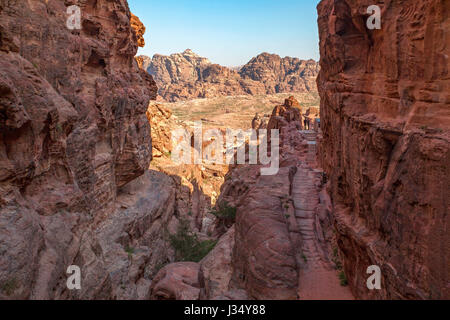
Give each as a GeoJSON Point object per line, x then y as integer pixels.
{"type": "Point", "coordinates": [318, 280]}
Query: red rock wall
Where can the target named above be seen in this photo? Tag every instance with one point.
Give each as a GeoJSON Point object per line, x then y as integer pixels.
{"type": "Point", "coordinates": [385, 109]}
{"type": "Point", "coordinates": [72, 131]}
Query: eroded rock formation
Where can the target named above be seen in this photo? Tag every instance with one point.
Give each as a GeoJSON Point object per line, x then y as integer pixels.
{"type": "Point", "coordinates": [385, 118]}
{"type": "Point", "coordinates": [280, 245]}
{"type": "Point", "coordinates": [199, 184]}
{"type": "Point", "coordinates": [73, 140]}
{"type": "Point", "coordinates": [282, 74]}
{"type": "Point", "coordinates": [186, 75]}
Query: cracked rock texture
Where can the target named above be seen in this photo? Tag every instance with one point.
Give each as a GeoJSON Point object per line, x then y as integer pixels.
{"type": "Point", "coordinates": [385, 112]}
{"type": "Point", "coordinates": [73, 140]}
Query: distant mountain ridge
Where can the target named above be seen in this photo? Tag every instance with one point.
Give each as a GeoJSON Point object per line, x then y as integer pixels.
{"type": "Point", "coordinates": [186, 75]}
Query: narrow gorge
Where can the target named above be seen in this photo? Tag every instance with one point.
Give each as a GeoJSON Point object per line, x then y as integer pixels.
{"type": "Point", "coordinates": [87, 176]}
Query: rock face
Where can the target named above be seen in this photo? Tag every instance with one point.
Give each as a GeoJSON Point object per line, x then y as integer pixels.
{"type": "Point", "coordinates": [186, 75]}
{"type": "Point", "coordinates": [177, 281]}
{"type": "Point", "coordinates": [282, 74]}
{"type": "Point", "coordinates": [198, 184]}
{"type": "Point", "coordinates": [73, 140]}
{"type": "Point", "coordinates": [139, 30]}
{"type": "Point", "coordinates": [385, 110]}
{"type": "Point", "coordinates": [282, 244]}
{"type": "Point", "coordinates": [290, 111]}
{"type": "Point", "coordinates": [143, 62]}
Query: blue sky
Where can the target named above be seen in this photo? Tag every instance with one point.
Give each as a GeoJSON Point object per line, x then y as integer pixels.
{"type": "Point", "coordinates": [229, 32]}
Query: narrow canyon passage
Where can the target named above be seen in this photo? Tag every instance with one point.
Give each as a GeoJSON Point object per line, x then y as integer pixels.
{"type": "Point", "coordinates": [317, 277]}
{"type": "Point", "coordinates": [90, 182]}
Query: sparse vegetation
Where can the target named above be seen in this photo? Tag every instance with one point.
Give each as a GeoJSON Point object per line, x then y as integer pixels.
{"type": "Point", "coordinates": [336, 259]}
{"type": "Point", "coordinates": [130, 251]}
{"type": "Point", "coordinates": [187, 246]}
{"type": "Point", "coordinates": [225, 213]}
{"type": "Point", "coordinates": [9, 286]}
{"type": "Point", "coordinates": [343, 279]}
{"type": "Point", "coordinates": [304, 258]}
{"type": "Point", "coordinates": [235, 111]}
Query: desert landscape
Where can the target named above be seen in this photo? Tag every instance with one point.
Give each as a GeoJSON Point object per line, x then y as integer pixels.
{"type": "Point", "coordinates": [89, 182]}
{"type": "Point", "coordinates": [237, 111]}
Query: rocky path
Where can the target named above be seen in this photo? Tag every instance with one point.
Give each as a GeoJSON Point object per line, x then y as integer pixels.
{"type": "Point", "coordinates": [318, 280]}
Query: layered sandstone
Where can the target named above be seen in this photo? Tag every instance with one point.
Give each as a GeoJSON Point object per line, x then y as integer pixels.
{"type": "Point", "coordinates": [282, 74]}
{"type": "Point", "coordinates": [139, 30]}
{"type": "Point", "coordinates": [385, 110]}
{"type": "Point", "coordinates": [74, 147]}
{"type": "Point", "coordinates": [186, 75]}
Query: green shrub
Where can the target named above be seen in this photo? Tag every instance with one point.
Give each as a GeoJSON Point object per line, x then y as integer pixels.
{"type": "Point", "coordinates": [130, 251]}
{"type": "Point", "coordinates": [335, 252]}
{"type": "Point", "coordinates": [225, 212]}
{"type": "Point", "coordinates": [187, 246]}
{"type": "Point", "coordinates": [343, 279]}
{"type": "Point", "coordinates": [336, 259]}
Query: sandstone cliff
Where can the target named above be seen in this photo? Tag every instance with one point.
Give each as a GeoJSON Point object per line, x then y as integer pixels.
{"type": "Point", "coordinates": [385, 110]}
{"type": "Point", "coordinates": [73, 140]}
{"type": "Point", "coordinates": [282, 74]}
{"type": "Point", "coordinates": [198, 185]}
{"type": "Point", "coordinates": [186, 75]}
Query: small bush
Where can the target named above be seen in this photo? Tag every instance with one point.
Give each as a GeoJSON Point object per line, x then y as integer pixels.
{"type": "Point", "coordinates": [336, 259]}
{"type": "Point", "coordinates": [225, 212]}
{"type": "Point", "coordinates": [187, 246]}
{"type": "Point", "coordinates": [130, 251]}
{"type": "Point", "coordinates": [335, 252]}
{"type": "Point", "coordinates": [343, 279]}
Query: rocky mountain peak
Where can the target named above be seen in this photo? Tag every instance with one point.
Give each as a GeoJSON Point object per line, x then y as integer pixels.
{"type": "Point", "coordinates": [186, 75]}
{"type": "Point", "coordinates": [189, 52]}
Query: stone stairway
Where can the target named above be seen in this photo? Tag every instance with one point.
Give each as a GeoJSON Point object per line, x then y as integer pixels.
{"type": "Point", "coordinates": [306, 200]}
{"type": "Point", "coordinates": [317, 278]}
{"type": "Point", "coordinates": [311, 138]}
